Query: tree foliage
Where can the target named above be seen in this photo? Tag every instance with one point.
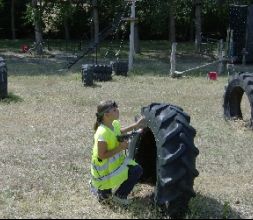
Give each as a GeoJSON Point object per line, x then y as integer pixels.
{"type": "Point", "coordinates": [153, 17]}
{"type": "Point", "coordinates": [1, 4]}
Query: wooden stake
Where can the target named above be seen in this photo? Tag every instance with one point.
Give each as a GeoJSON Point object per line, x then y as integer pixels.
{"type": "Point", "coordinates": [173, 60]}
{"type": "Point", "coordinates": [221, 59]}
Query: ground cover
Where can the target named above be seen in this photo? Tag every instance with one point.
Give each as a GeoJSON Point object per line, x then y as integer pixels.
{"type": "Point", "coordinates": [46, 141]}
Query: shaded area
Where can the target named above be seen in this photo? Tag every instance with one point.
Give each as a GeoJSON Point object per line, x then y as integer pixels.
{"type": "Point", "coordinates": [153, 60]}
{"type": "Point", "coordinates": [146, 156]}
{"type": "Point", "coordinates": [145, 64]}
{"type": "Point", "coordinates": [158, 63]}
{"type": "Point", "coordinates": [205, 207]}
{"type": "Point", "coordinates": [201, 207]}
{"type": "Point", "coordinates": [18, 66]}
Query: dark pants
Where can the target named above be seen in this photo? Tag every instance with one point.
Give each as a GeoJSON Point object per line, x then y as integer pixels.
{"type": "Point", "coordinates": [134, 174]}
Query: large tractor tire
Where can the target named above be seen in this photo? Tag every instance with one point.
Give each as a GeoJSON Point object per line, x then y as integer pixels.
{"type": "Point", "coordinates": [87, 75]}
{"type": "Point", "coordinates": [166, 151]}
{"type": "Point", "coordinates": [239, 84]}
{"type": "Point", "coordinates": [3, 79]}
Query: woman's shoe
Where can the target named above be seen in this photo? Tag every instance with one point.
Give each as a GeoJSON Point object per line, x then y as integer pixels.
{"type": "Point", "coordinates": [121, 201]}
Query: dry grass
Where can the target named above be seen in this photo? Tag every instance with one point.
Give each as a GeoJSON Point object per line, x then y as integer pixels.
{"type": "Point", "coordinates": [46, 139]}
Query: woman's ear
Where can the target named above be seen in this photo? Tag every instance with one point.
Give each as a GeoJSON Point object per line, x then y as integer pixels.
{"type": "Point", "coordinates": [105, 115]}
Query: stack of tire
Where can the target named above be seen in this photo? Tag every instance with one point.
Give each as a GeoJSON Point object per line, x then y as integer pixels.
{"type": "Point", "coordinates": [238, 85]}
{"type": "Point", "coordinates": [102, 72]}
{"type": "Point", "coordinates": [92, 73]}
{"type": "Point", "coordinates": [120, 68]}
{"type": "Point", "coordinates": [166, 151]}
{"type": "Point", "coordinates": [3, 79]}
{"type": "Point", "coordinates": [87, 74]}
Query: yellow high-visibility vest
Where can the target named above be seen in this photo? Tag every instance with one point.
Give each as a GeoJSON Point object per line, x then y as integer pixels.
{"type": "Point", "coordinates": [112, 172]}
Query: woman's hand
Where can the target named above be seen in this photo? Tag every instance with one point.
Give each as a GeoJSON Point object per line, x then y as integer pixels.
{"type": "Point", "coordinates": [140, 123]}
{"type": "Point", "coordinates": [123, 145]}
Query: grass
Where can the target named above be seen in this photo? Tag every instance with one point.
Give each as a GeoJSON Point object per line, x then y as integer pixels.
{"type": "Point", "coordinates": [46, 141]}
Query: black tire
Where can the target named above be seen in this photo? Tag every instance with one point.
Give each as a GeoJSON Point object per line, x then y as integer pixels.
{"type": "Point", "coordinates": [120, 68]}
{"type": "Point", "coordinates": [102, 72]}
{"type": "Point", "coordinates": [87, 75]}
{"type": "Point", "coordinates": [167, 153]}
{"type": "Point", "coordinates": [3, 79]}
{"type": "Point", "coordinates": [239, 84]}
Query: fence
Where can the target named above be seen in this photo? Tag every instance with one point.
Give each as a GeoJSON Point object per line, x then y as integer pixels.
{"type": "Point", "coordinates": [207, 48]}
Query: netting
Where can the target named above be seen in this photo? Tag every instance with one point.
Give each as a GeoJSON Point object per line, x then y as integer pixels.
{"type": "Point", "coordinates": [249, 39]}
{"type": "Point", "coordinates": [238, 21]}
{"type": "Point", "coordinates": [241, 22]}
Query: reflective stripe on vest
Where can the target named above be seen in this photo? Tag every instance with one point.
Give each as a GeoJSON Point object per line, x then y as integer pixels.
{"type": "Point", "coordinates": [106, 165]}
{"type": "Point", "coordinates": [115, 172]}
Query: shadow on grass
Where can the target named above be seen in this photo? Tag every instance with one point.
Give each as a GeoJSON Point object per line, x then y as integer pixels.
{"type": "Point", "coordinates": [200, 207]}
{"type": "Point", "coordinates": [152, 63]}
{"type": "Point", "coordinates": [206, 207]}
{"type": "Point", "coordinates": [94, 85]}
{"type": "Point", "coordinates": [11, 98]}
{"type": "Point", "coordinates": [35, 66]}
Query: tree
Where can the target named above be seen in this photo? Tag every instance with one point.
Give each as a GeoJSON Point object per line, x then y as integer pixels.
{"type": "Point", "coordinates": [94, 4]}
{"type": "Point", "coordinates": [36, 8]}
{"type": "Point", "coordinates": [172, 22]}
{"type": "Point", "coordinates": [197, 5]}
{"type": "Point", "coordinates": [66, 12]}
{"type": "Point", "coordinates": [58, 14]}
{"type": "Point", "coordinates": [13, 26]}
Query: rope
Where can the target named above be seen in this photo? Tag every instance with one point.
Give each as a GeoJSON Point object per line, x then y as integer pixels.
{"type": "Point", "coordinates": [122, 41]}
{"type": "Point", "coordinates": [198, 67]}
{"type": "Point", "coordinates": [102, 35]}
{"type": "Point", "coordinates": [117, 30]}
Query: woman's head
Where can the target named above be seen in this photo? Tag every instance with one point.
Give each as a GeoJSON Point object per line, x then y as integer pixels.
{"type": "Point", "coordinates": [106, 110]}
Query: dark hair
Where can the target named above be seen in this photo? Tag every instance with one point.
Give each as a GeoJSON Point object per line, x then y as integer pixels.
{"type": "Point", "coordinates": [102, 108]}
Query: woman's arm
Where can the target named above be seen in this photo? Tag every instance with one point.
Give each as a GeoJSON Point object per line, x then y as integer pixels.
{"type": "Point", "coordinates": [133, 126]}
{"type": "Point", "coordinates": [104, 153]}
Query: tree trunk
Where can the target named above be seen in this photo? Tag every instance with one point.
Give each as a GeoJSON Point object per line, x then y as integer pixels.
{"type": "Point", "coordinates": [37, 27]}
{"type": "Point", "coordinates": [172, 24]}
{"type": "Point", "coordinates": [191, 30]}
{"type": "Point", "coordinates": [173, 60]}
{"type": "Point", "coordinates": [66, 29]}
{"type": "Point", "coordinates": [197, 24]}
{"type": "Point", "coordinates": [96, 21]}
{"type": "Point", "coordinates": [137, 47]}
{"type": "Point", "coordinates": [13, 27]}
{"type": "Point", "coordinates": [67, 15]}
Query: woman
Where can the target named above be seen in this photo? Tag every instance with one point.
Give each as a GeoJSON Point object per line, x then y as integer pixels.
{"type": "Point", "coordinates": [111, 170]}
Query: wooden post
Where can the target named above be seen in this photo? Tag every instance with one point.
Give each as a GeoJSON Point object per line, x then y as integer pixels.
{"type": "Point", "coordinates": [244, 53]}
{"type": "Point", "coordinates": [131, 37]}
{"type": "Point", "coordinates": [173, 60]}
{"type": "Point", "coordinates": [231, 47]}
{"type": "Point", "coordinates": [198, 8]}
{"type": "Point", "coordinates": [227, 43]}
{"type": "Point", "coordinates": [220, 55]}
{"type": "Point", "coordinates": [95, 21]}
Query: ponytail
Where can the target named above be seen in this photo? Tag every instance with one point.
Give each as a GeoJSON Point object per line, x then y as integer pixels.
{"type": "Point", "coordinates": [96, 126]}
{"type": "Point", "coordinates": [98, 122]}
